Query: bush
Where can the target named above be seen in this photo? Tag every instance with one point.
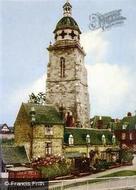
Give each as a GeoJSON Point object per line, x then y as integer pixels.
{"type": "Point", "coordinates": [7, 141]}
{"type": "Point", "coordinates": [51, 167]}
{"type": "Point", "coordinates": [49, 172]}
{"type": "Point", "coordinates": [126, 155]}
{"type": "Point", "coordinates": [53, 171]}
{"type": "Point", "coordinates": [102, 165]}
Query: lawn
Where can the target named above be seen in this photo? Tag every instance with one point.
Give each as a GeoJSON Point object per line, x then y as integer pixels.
{"type": "Point", "coordinates": [115, 174]}
{"type": "Point", "coordinates": [121, 173]}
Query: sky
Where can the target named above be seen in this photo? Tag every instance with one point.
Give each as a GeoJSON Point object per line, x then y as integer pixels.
{"type": "Point", "coordinates": [26, 29]}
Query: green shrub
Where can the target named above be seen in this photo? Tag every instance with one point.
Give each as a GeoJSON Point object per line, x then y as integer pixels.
{"type": "Point", "coordinates": [103, 164]}
{"type": "Point", "coordinates": [7, 141]}
{"type": "Point", "coordinates": [54, 170]}
{"type": "Point", "coordinates": [126, 156]}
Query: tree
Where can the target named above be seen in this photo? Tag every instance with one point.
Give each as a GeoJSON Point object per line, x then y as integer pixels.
{"type": "Point", "coordinates": [39, 99]}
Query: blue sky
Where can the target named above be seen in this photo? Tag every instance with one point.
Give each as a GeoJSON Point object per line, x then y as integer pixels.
{"type": "Point", "coordinates": [27, 29]}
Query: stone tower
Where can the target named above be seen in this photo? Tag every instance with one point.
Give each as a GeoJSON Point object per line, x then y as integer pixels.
{"type": "Point", "coordinates": [66, 85]}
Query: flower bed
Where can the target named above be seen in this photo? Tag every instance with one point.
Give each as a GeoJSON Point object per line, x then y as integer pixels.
{"type": "Point", "coordinates": [52, 166]}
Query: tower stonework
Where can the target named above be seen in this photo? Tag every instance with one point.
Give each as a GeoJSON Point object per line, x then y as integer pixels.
{"type": "Point", "coordinates": [66, 84]}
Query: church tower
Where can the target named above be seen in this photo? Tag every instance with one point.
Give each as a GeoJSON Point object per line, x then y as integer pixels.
{"type": "Point", "coordinates": [66, 85]}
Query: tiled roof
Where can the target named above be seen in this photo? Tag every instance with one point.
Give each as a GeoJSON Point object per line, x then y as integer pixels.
{"type": "Point", "coordinates": [1, 125]}
{"type": "Point", "coordinates": [10, 129]}
{"type": "Point", "coordinates": [130, 121]}
{"type": "Point", "coordinates": [79, 136]}
{"type": "Point", "coordinates": [14, 155]}
{"type": "Point", "coordinates": [106, 120]}
{"type": "Point", "coordinates": [45, 114]}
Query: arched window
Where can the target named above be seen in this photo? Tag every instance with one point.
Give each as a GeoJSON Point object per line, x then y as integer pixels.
{"type": "Point", "coordinates": [71, 140]}
{"type": "Point", "coordinates": [88, 140]}
{"type": "Point", "coordinates": [103, 140]}
{"type": "Point", "coordinates": [62, 67]}
{"type": "Point", "coordinates": [113, 139]}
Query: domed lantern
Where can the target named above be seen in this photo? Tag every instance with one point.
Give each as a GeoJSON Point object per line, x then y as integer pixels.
{"type": "Point", "coordinates": [67, 8]}
{"type": "Point", "coordinates": [67, 28]}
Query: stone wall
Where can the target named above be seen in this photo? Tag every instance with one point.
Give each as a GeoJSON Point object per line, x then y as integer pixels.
{"type": "Point", "coordinates": [86, 149]}
{"type": "Point", "coordinates": [25, 134]}
{"type": "Point", "coordinates": [22, 129]}
{"type": "Point", "coordinates": [6, 136]}
{"type": "Point", "coordinates": [70, 91]}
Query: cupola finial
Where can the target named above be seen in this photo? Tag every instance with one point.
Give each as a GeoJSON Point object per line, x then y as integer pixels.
{"type": "Point", "coordinates": [67, 9]}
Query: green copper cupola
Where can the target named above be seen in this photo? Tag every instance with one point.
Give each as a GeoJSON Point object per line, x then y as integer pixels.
{"type": "Point", "coordinates": [67, 28]}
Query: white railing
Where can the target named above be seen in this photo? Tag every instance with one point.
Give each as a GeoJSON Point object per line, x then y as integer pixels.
{"type": "Point", "coordinates": [86, 183]}
{"type": "Point", "coordinates": [114, 183]}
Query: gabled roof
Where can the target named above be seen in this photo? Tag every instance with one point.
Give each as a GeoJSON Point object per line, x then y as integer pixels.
{"type": "Point", "coordinates": [79, 135]}
{"type": "Point", "coordinates": [105, 120]}
{"type": "Point", "coordinates": [10, 129]}
{"type": "Point", "coordinates": [2, 125]}
{"type": "Point", "coordinates": [130, 121]}
{"type": "Point", "coordinates": [14, 155]}
{"type": "Point", "coordinates": [45, 114]}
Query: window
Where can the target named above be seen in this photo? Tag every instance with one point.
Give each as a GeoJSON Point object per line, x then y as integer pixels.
{"type": "Point", "coordinates": [131, 136]}
{"type": "Point", "coordinates": [88, 140]}
{"type": "Point", "coordinates": [48, 148]}
{"type": "Point", "coordinates": [62, 67]}
{"type": "Point", "coordinates": [124, 126]}
{"type": "Point", "coordinates": [123, 136]}
{"type": "Point", "coordinates": [103, 140]}
{"type": "Point", "coordinates": [113, 139]}
{"type": "Point", "coordinates": [71, 140]}
{"type": "Point", "coordinates": [48, 130]}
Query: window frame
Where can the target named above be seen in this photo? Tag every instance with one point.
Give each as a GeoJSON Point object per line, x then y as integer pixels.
{"type": "Point", "coordinates": [48, 148]}
{"type": "Point", "coordinates": [62, 67]}
{"type": "Point", "coordinates": [48, 130]}
{"type": "Point", "coordinates": [131, 136]}
{"type": "Point", "coordinates": [123, 136]}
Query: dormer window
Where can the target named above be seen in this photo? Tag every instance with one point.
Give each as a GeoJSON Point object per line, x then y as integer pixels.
{"type": "Point", "coordinates": [62, 67]}
{"type": "Point", "coordinates": [71, 140]}
{"type": "Point", "coordinates": [103, 139]}
{"type": "Point", "coordinates": [124, 126]}
{"type": "Point", "coordinates": [48, 130]}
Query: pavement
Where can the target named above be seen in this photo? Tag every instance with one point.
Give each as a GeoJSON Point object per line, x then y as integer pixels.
{"type": "Point", "coordinates": [100, 174]}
